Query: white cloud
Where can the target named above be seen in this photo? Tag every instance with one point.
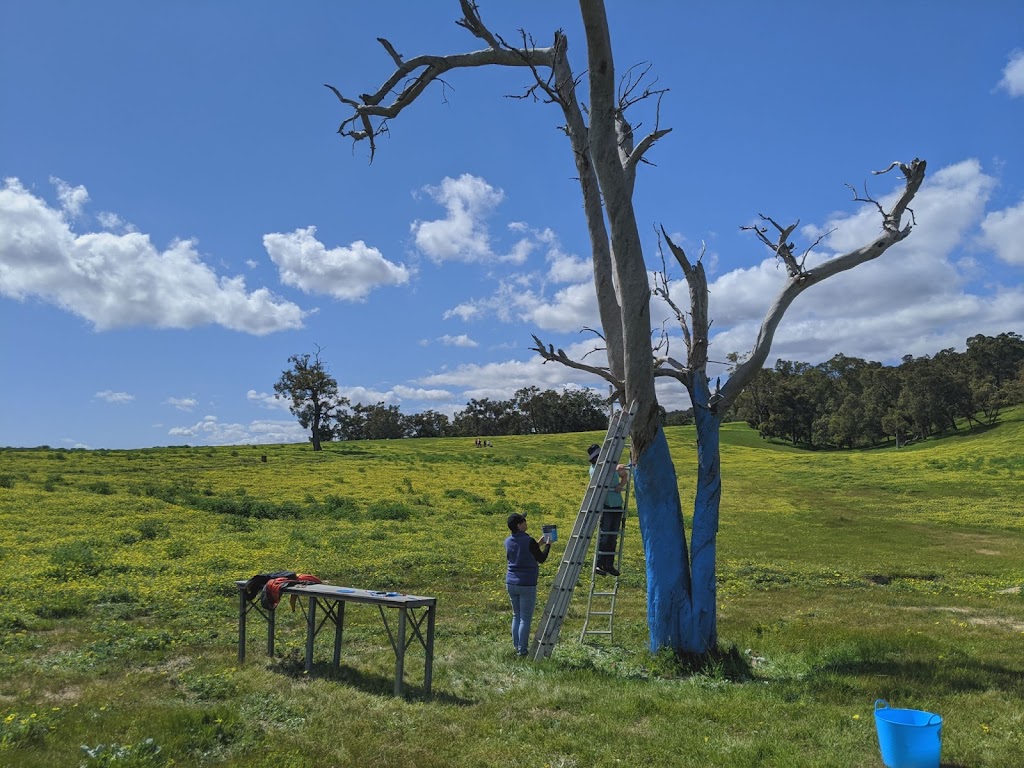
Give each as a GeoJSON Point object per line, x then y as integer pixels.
{"type": "Point", "coordinates": [466, 311]}
{"type": "Point", "coordinates": [121, 281]}
{"type": "Point", "coordinates": [211, 431]}
{"type": "Point", "coordinates": [568, 268]}
{"type": "Point", "coordinates": [72, 199]}
{"type": "Point", "coordinates": [501, 379]}
{"type": "Point", "coordinates": [463, 234]}
{"type": "Point", "coordinates": [114, 397]}
{"type": "Point", "coordinates": [411, 393]}
{"type": "Point", "coordinates": [1013, 75]}
{"type": "Point", "coordinates": [345, 272]}
{"type": "Point", "coordinates": [268, 400]}
{"type": "Point", "coordinates": [113, 222]}
{"type": "Point", "coordinates": [366, 396]}
{"type": "Point", "coordinates": [182, 403]}
{"type": "Point", "coordinates": [461, 340]}
{"type": "Point", "coordinates": [570, 309]}
{"type": "Point", "coordinates": [915, 299]}
{"type": "Point", "coordinates": [1003, 232]}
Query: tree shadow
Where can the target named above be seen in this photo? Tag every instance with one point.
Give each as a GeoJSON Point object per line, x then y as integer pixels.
{"type": "Point", "coordinates": [958, 676]}
{"type": "Point", "coordinates": [719, 663]}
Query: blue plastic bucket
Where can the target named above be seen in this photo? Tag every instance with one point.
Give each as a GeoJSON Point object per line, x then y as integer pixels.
{"type": "Point", "coordinates": [908, 738]}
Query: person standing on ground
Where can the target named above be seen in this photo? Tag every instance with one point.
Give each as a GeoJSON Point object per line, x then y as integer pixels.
{"type": "Point", "coordinates": [611, 517]}
{"type": "Point", "coordinates": [524, 556]}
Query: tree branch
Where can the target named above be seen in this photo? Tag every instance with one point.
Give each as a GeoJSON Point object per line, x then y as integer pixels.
{"type": "Point", "coordinates": [371, 111]}
{"type": "Point", "coordinates": [550, 354]}
{"type": "Point", "coordinates": [913, 175]}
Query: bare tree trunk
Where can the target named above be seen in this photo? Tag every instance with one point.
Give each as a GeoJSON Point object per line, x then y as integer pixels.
{"type": "Point", "coordinates": [681, 584]}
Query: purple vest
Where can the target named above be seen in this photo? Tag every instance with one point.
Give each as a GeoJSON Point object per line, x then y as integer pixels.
{"type": "Point", "coordinates": [523, 568]}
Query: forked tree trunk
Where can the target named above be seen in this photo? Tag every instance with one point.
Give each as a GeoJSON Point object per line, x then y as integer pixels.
{"type": "Point", "coordinates": [681, 583]}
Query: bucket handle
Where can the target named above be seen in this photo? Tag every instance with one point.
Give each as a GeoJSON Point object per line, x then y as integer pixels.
{"type": "Point", "coordinates": [932, 720]}
{"type": "Point", "coordinates": [884, 704]}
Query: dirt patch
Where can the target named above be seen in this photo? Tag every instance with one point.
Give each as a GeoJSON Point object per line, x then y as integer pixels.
{"type": "Point", "coordinates": [976, 619]}
{"type": "Point", "coordinates": [67, 695]}
{"type": "Point", "coordinates": [987, 552]}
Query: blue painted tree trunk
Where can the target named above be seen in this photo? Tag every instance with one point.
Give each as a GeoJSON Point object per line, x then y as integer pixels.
{"type": "Point", "coordinates": [681, 583]}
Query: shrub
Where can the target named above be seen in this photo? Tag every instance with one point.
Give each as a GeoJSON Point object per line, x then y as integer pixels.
{"type": "Point", "coordinates": [74, 558]}
{"type": "Point", "coordinates": [339, 506]}
{"type": "Point", "coordinates": [6, 481]}
{"type": "Point", "coordinates": [153, 529]}
{"type": "Point", "coordinates": [102, 487]}
{"type": "Point", "coordinates": [388, 510]}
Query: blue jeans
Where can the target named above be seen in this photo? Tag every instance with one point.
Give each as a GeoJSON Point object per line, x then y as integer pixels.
{"type": "Point", "coordinates": [524, 600]}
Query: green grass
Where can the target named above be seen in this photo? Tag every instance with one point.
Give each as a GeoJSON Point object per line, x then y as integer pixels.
{"type": "Point", "coordinates": [843, 577]}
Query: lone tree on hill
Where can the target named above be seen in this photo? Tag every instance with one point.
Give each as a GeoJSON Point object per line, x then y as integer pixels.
{"type": "Point", "coordinates": [314, 395]}
{"type": "Point", "coordinates": [681, 598]}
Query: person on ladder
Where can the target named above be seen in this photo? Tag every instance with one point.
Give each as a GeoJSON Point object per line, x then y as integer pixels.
{"type": "Point", "coordinates": [611, 517]}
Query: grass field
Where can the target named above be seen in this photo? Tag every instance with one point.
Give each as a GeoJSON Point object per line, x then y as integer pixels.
{"type": "Point", "coordinates": [844, 577]}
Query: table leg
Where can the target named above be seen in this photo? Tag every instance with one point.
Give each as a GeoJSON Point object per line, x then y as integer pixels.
{"type": "Point", "coordinates": [310, 632]}
{"type": "Point", "coordinates": [428, 672]}
{"type": "Point", "coordinates": [270, 632]}
{"type": "Point", "coordinates": [241, 625]}
{"type": "Point", "coordinates": [400, 653]}
{"type": "Point", "coordinates": [340, 615]}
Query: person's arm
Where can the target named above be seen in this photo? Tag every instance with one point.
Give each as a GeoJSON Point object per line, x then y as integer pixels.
{"type": "Point", "coordinates": [623, 475]}
{"type": "Point", "coordinates": [540, 553]}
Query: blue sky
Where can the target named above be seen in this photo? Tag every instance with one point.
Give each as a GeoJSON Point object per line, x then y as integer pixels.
{"type": "Point", "coordinates": [178, 215]}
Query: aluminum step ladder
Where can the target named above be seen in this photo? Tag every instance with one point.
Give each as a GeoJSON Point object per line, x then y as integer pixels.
{"type": "Point", "coordinates": [601, 601]}
{"type": "Point", "coordinates": [575, 557]}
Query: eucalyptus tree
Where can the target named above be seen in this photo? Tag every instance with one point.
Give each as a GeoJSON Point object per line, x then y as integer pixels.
{"type": "Point", "coordinates": [313, 393]}
{"type": "Point", "coordinates": [682, 604]}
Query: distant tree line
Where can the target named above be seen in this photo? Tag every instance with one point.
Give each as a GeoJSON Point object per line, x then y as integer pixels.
{"type": "Point", "coordinates": [316, 404]}
{"type": "Point", "coordinates": [529, 411]}
{"type": "Point", "coordinates": [849, 402]}
{"type": "Point", "coordinates": [845, 402]}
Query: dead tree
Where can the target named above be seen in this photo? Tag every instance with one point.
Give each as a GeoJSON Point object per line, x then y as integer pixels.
{"type": "Point", "coordinates": [682, 611]}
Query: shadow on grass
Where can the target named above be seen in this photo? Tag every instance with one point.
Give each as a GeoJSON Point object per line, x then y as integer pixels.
{"type": "Point", "coordinates": [719, 663]}
{"type": "Point", "coordinates": [377, 685]}
{"type": "Point", "coordinates": [942, 678]}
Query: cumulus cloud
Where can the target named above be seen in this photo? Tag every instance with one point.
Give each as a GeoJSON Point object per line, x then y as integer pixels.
{"type": "Point", "coordinates": [1013, 75]}
{"type": "Point", "coordinates": [72, 199]}
{"type": "Point", "coordinates": [463, 234]}
{"type": "Point", "coordinates": [121, 281]}
{"type": "Point", "coordinates": [345, 272]}
{"type": "Point", "coordinates": [501, 379]}
{"type": "Point", "coordinates": [418, 393]}
{"type": "Point", "coordinates": [211, 431]}
{"type": "Point", "coordinates": [110, 396]}
{"type": "Point", "coordinates": [568, 268]}
{"type": "Point", "coordinates": [526, 297]}
{"type": "Point", "coordinates": [268, 400]}
{"type": "Point", "coordinates": [915, 299]}
{"type": "Point", "coordinates": [367, 396]}
{"type": "Point", "coordinates": [182, 403]}
{"type": "Point", "coordinates": [113, 222]}
{"type": "Point", "coordinates": [462, 340]}
{"type": "Point", "coordinates": [1001, 231]}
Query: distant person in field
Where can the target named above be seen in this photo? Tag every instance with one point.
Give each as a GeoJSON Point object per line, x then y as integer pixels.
{"type": "Point", "coordinates": [611, 517]}
{"type": "Point", "coordinates": [524, 556]}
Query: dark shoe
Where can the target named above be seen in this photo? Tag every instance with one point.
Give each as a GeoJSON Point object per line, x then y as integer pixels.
{"type": "Point", "coordinates": [600, 571]}
{"type": "Point", "coordinates": [610, 570]}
